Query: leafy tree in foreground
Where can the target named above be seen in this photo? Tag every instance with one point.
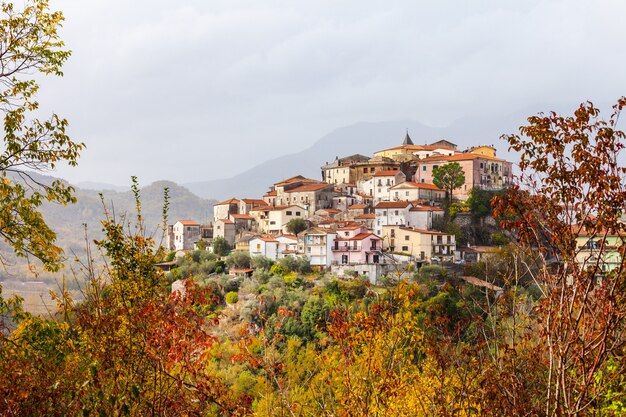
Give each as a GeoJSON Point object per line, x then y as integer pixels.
{"type": "Point", "coordinates": [573, 186]}
{"type": "Point", "coordinates": [449, 177]}
{"type": "Point", "coordinates": [30, 44]}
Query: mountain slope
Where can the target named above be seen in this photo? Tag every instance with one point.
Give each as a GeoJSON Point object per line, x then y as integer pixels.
{"type": "Point", "coordinates": [365, 138]}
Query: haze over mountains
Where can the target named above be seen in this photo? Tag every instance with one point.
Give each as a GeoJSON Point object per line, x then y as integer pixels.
{"type": "Point", "coordinates": [364, 138]}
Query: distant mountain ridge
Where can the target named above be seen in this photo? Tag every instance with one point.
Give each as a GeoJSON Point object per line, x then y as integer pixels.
{"type": "Point", "coordinates": [364, 138]}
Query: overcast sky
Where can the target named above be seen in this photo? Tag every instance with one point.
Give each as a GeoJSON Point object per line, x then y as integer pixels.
{"type": "Point", "coordinates": [196, 90]}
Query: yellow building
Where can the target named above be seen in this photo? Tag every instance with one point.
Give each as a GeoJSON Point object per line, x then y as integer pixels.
{"type": "Point", "coordinates": [408, 150]}
{"type": "Point", "coordinates": [484, 150]}
{"type": "Point", "coordinates": [422, 244]}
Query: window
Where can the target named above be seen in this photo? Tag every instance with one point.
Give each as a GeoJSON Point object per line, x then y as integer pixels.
{"type": "Point", "coordinates": [481, 165]}
{"type": "Point", "coordinates": [435, 166]}
{"type": "Point", "coordinates": [397, 212]}
{"type": "Point", "coordinates": [406, 237]}
{"type": "Point", "coordinates": [405, 248]}
{"type": "Point", "coordinates": [347, 233]}
{"type": "Point", "coordinates": [422, 180]}
{"type": "Point", "coordinates": [406, 194]}
{"type": "Point", "coordinates": [371, 169]}
{"type": "Point", "coordinates": [384, 212]}
{"type": "Point", "coordinates": [308, 249]}
{"type": "Point", "coordinates": [365, 170]}
{"type": "Point", "coordinates": [289, 213]}
{"type": "Point", "coordinates": [344, 259]}
{"type": "Point", "coordinates": [424, 168]}
{"type": "Point", "coordinates": [272, 222]}
{"type": "Point", "coordinates": [297, 213]}
{"type": "Point", "coordinates": [258, 247]}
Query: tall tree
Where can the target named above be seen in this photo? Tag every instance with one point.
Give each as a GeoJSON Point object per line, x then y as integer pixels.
{"type": "Point", "coordinates": [449, 177]}
{"type": "Point", "coordinates": [573, 186]}
{"type": "Point", "coordinates": [30, 44]}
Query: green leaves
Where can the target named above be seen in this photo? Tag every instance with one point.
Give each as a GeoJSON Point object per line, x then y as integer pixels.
{"type": "Point", "coordinates": [29, 43]}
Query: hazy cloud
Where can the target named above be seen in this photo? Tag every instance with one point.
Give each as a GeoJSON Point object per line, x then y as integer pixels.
{"type": "Point", "coordinates": [196, 90]}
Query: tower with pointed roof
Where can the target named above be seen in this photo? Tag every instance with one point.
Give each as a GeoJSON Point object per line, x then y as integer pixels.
{"type": "Point", "coordinates": [407, 139]}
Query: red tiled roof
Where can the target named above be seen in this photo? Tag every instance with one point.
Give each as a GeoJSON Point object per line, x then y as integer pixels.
{"type": "Point", "coordinates": [297, 178]}
{"type": "Point", "coordinates": [230, 201]}
{"type": "Point", "coordinates": [188, 222]}
{"type": "Point", "coordinates": [357, 206]}
{"type": "Point", "coordinates": [272, 193]}
{"type": "Point", "coordinates": [460, 157]}
{"type": "Point", "coordinates": [426, 208]}
{"type": "Point", "coordinates": [267, 239]}
{"type": "Point", "coordinates": [226, 221]}
{"type": "Point", "coordinates": [332, 211]}
{"type": "Point", "coordinates": [362, 236]}
{"type": "Point", "coordinates": [365, 217]}
{"type": "Point", "coordinates": [288, 236]}
{"type": "Point", "coordinates": [386, 173]}
{"type": "Point", "coordinates": [351, 226]}
{"type": "Point", "coordinates": [309, 187]}
{"type": "Point", "coordinates": [392, 204]}
{"type": "Point", "coordinates": [254, 201]}
{"type": "Point", "coordinates": [241, 216]}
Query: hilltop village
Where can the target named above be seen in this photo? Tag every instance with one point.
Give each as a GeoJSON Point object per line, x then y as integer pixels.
{"type": "Point", "coordinates": [366, 215]}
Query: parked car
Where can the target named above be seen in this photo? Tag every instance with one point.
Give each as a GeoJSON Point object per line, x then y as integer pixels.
{"type": "Point", "coordinates": [435, 259]}
{"type": "Point", "coordinates": [460, 262]}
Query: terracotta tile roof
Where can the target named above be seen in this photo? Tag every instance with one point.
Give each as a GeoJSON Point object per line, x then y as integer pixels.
{"type": "Point", "coordinates": [188, 222]}
{"type": "Point", "coordinates": [460, 157]}
{"type": "Point", "coordinates": [230, 201]}
{"type": "Point", "coordinates": [416, 148]}
{"type": "Point", "coordinates": [392, 204]}
{"type": "Point", "coordinates": [288, 236]}
{"type": "Point", "coordinates": [254, 201]}
{"type": "Point", "coordinates": [309, 187]}
{"type": "Point", "coordinates": [386, 173]}
{"type": "Point", "coordinates": [226, 221]}
{"type": "Point", "coordinates": [241, 216]}
{"type": "Point", "coordinates": [357, 206]}
{"type": "Point", "coordinates": [272, 193]}
{"type": "Point", "coordinates": [297, 178]}
{"type": "Point", "coordinates": [332, 211]}
{"type": "Point", "coordinates": [351, 226]}
{"type": "Point", "coordinates": [268, 239]}
{"type": "Point", "coordinates": [362, 236]}
{"type": "Point", "coordinates": [426, 208]}
{"type": "Point", "coordinates": [365, 217]}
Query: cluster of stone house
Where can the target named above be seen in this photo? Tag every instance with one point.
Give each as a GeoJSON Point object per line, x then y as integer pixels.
{"type": "Point", "coordinates": [361, 211]}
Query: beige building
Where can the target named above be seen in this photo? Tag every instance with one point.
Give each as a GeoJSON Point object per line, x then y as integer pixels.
{"type": "Point", "coordinates": [223, 209]}
{"type": "Point", "coordinates": [409, 151]}
{"type": "Point", "coordinates": [422, 244]}
{"type": "Point", "coordinates": [274, 219]}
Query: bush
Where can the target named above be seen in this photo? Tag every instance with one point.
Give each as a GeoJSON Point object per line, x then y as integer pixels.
{"type": "Point", "coordinates": [261, 262]}
{"type": "Point", "coordinates": [232, 297]}
{"type": "Point", "coordinates": [221, 246]}
{"type": "Point", "coordinates": [238, 260]}
{"type": "Point", "coordinates": [278, 269]}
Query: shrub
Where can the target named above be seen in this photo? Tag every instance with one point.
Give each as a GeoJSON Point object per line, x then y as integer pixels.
{"type": "Point", "coordinates": [232, 297]}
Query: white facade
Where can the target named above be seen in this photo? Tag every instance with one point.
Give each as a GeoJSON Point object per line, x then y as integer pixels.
{"type": "Point", "coordinates": [186, 233]}
{"type": "Point", "coordinates": [390, 213]}
{"type": "Point", "coordinates": [264, 246]}
{"type": "Point", "coordinates": [317, 246]}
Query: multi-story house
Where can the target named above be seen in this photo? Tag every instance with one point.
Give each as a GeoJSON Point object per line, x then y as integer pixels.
{"type": "Point", "coordinates": [413, 191]}
{"type": "Point", "coordinates": [223, 209]}
{"type": "Point", "coordinates": [422, 244]}
{"type": "Point", "coordinates": [340, 171]}
{"type": "Point", "coordinates": [354, 244]}
{"type": "Point", "coordinates": [390, 212]}
{"type": "Point", "coordinates": [316, 244]}
{"type": "Point", "coordinates": [247, 204]}
{"type": "Point", "coordinates": [274, 219]}
{"type": "Point", "coordinates": [287, 246]}
{"type": "Point", "coordinates": [184, 235]}
{"type": "Point", "coordinates": [480, 171]}
{"type": "Point", "coordinates": [378, 186]}
{"type": "Point", "coordinates": [310, 194]}
{"type": "Point", "coordinates": [265, 246]}
{"type": "Point", "coordinates": [225, 228]}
